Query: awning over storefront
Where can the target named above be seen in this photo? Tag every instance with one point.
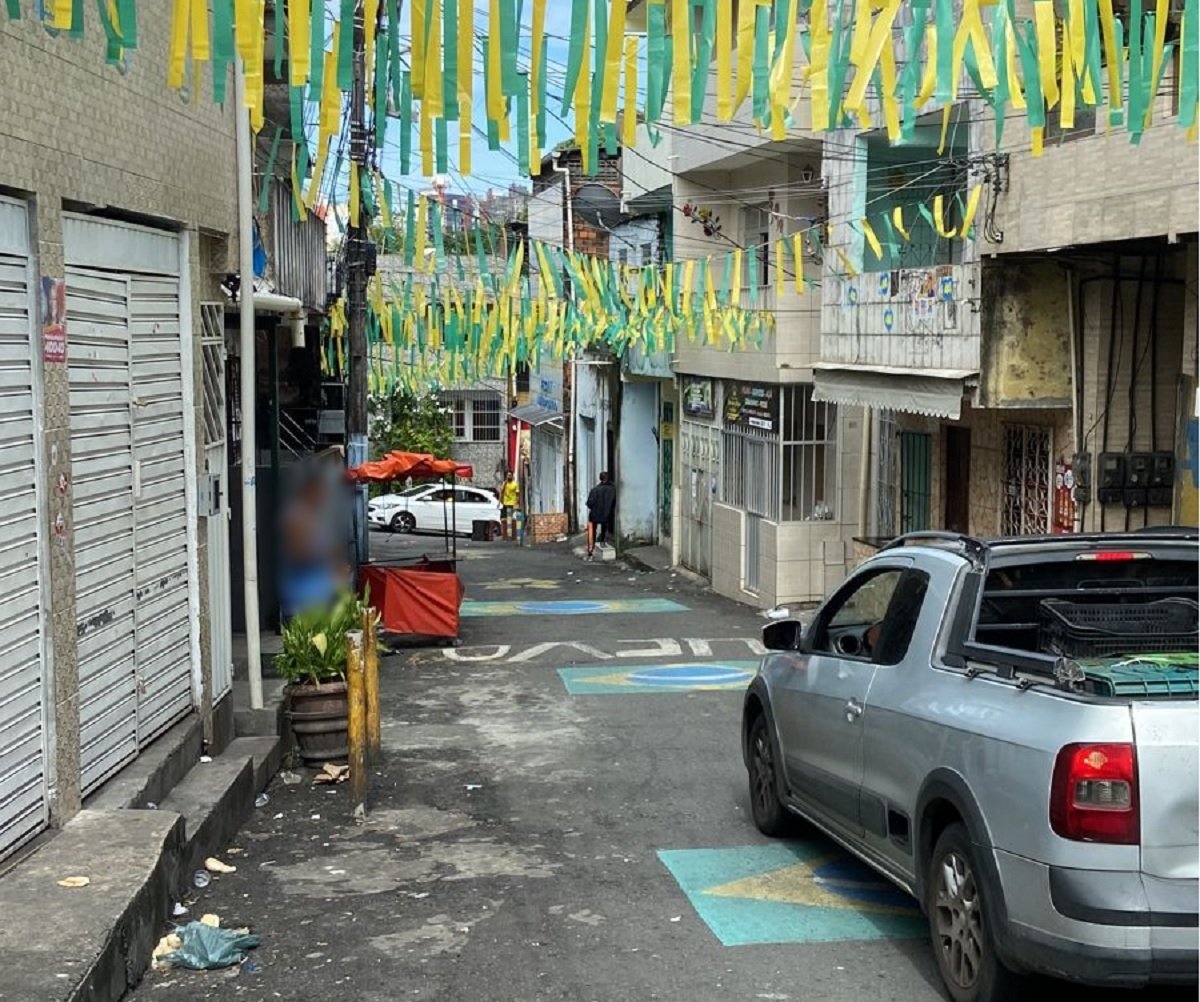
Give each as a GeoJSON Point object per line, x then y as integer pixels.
{"type": "Point", "coordinates": [536, 415]}
{"type": "Point", "coordinates": [932, 392]}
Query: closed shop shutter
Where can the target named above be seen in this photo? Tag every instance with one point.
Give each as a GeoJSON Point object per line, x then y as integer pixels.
{"type": "Point", "coordinates": [102, 490]}
{"type": "Point", "coordinates": [132, 544]}
{"type": "Point", "coordinates": [23, 804]}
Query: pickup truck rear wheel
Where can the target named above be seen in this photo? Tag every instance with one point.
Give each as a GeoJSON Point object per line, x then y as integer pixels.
{"type": "Point", "coordinates": [962, 942]}
{"type": "Point", "coordinates": [770, 816]}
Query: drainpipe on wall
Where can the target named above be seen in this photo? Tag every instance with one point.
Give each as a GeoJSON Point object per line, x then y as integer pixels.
{"type": "Point", "coordinates": [864, 475]}
{"type": "Point", "coordinates": [1076, 383]}
{"type": "Point", "coordinates": [569, 473]}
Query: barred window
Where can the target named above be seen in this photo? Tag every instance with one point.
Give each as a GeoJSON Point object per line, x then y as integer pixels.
{"type": "Point", "coordinates": [809, 454]}
{"type": "Point", "coordinates": [477, 418]}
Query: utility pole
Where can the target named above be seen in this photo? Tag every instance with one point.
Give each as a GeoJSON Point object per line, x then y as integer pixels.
{"type": "Point", "coordinates": [356, 290]}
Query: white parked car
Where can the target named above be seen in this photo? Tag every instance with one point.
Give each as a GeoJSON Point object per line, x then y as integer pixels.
{"type": "Point", "coordinates": [433, 508]}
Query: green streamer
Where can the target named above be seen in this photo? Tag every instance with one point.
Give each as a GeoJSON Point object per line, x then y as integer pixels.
{"type": "Point", "coordinates": [345, 53]}
{"type": "Point", "coordinates": [508, 48]}
{"type": "Point", "coordinates": [704, 47]}
{"type": "Point", "coordinates": [658, 62]}
{"type": "Point", "coordinates": [316, 71]}
{"type": "Point", "coordinates": [406, 122]}
{"type": "Point", "coordinates": [839, 60]}
{"type": "Point", "coordinates": [1092, 49]}
{"type": "Point", "coordinates": [450, 59]}
{"type": "Point", "coordinates": [1000, 60]}
{"type": "Point", "coordinates": [523, 126]}
{"type": "Point", "coordinates": [222, 44]}
{"type": "Point", "coordinates": [944, 25]}
{"type": "Point", "coordinates": [1189, 65]}
{"type": "Point", "coordinates": [600, 16]}
{"type": "Point", "coordinates": [910, 76]}
{"type": "Point", "coordinates": [762, 69]}
{"type": "Point", "coordinates": [410, 229]}
{"type": "Point", "coordinates": [277, 38]}
{"type": "Point", "coordinates": [441, 145]}
{"type": "Point", "coordinates": [439, 239]}
{"type": "Point", "coordinates": [1035, 111]}
{"type": "Point", "coordinates": [579, 17]}
{"type": "Point", "coordinates": [382, 67]}
{"type": "Point", "coordinates": [493, 127]}
{"type": "Point", "coordinates": [752, 264]}
{"type": "Point", "coordinates": [541, 112]}
{"type": "Point", "coordinates": [1137, 83]}
{"type": "Point", "coordinates": [14, 9]}
{"type": "Point", "coordinates": [296, 113]}
{"type": "Point", "coordinates": [127, 16]}
{"type": "Point", "coordinates": [393, 35]}
{"type": "Point", "coordinates": [112, 51]}
{"type": "Point", "coordinates": [264, 188]}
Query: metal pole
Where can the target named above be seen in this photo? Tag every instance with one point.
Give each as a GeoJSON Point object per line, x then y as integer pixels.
{"type": "Point", "coordinates": [572, 519]}
{"type": "Point", "coordinates": [356, 293]}
{"type": "Point", "coordinates": [356, 724]}
{"type": "Point", "coordinates": [245, 216]}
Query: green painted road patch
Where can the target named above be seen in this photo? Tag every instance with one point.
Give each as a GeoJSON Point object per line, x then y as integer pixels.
{"type": "Point", "coordinates": [691, 676]}
{"type": "Point", "coordinates": [791, 892]}
{"type": "Point", "coordinates": [598, 607]}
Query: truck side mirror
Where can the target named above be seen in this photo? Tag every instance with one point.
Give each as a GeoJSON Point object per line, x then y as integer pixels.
{"type": "Point", "coordinates": [783, 636]}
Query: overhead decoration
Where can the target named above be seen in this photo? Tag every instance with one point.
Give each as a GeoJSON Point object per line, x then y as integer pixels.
{"type": "Point", "coordinates": [819, 64]}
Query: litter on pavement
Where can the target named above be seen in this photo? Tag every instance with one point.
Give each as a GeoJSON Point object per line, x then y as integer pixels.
{"type": "Point", "coordinates": [200, 946]}
{"type": "Point", "coordinates": [214, 865]}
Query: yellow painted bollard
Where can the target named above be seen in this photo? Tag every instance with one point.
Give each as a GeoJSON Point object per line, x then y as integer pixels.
{"type": "Point", "coordinates": [371, 657]}
{"type": "Point", "coordinates": [357, 722]}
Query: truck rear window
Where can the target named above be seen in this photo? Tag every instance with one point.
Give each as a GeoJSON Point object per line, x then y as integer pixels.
{"type": "Point", "coordinates": [1091, 608]}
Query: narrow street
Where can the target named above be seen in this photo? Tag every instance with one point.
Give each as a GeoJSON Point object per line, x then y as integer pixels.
{"type": "Point", "coordinates": [556, 819]}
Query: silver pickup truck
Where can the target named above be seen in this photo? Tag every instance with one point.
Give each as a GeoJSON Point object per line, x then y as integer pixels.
{"type": "Point", "coordinates": [1008, 731]}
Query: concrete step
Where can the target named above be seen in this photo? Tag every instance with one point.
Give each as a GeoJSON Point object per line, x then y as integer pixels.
{"type": "Point", "coordinates": [91, 942]}
{"type": "Point", "coordinates": [215, 798]}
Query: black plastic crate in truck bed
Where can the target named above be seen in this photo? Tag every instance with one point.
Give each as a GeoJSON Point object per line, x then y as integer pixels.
{"type": "Point", "coordinates": [1097, 629]}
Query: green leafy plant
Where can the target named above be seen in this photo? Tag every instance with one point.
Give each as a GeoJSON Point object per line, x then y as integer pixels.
{"type": "Point", "coordinates": [314, 641]}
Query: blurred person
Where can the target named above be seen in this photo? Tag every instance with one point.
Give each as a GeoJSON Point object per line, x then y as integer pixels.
{"type": "Point", "coordinates": [313, 530]}
{"type": "Point", "coordinates": [510, 500]}
{"type": "Point", "coordinates": [602, 507]}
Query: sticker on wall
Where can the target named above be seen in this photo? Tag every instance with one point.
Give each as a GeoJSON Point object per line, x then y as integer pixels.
{"type": "Point", "coordinates": [885, 283]}
{"type": "Point", "coordinates": [54, 319]}
{"type": "Point", "coordinates": [945, 283]}
{"type": "Point", "coordinates": [889, 319]}
{"type": "Point", "coordinates": [852, 295]}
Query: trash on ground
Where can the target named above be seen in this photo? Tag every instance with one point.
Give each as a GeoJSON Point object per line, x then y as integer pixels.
{"type": "Point", "coordinates": [779, 612]}
{"type": "Point", "coordinates": [676, 918]}
{"type": "Point", "coordinates": [472, 786]}
{"type": "Point", "coordinates": [151, 805]}
{"type": "Point", "coordinates": [166, 946]}
{"type": "Point", "coordinates": [201, 947]}
{"type": "Point", "coordinates": [214, 865]}
{"type": "Point", "coordinates": [178, 910]}
{"type": "Point", "coordinates": [331, 773]}
{"type": "Point", "coordinates": [211, 920]}
{"type": "Point", "coordinates": [261, 800]}
{"type": "Point", "coordinates": [201, 879]}
{"type": "Point", "coordinates": [289, 778]}
{"type": "Point", "coordinates": [74, 881]}
{"type": "Point", "coordinates": [206, 759]}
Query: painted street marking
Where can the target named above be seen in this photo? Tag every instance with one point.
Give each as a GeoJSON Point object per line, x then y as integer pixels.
{"type": "Point", "coordinates": [571, 608]}
{"type": "Point", "coordinates": [657, 647]}
{"type": "Point", "coordinates": [791, 892]}
{"type": "Point", "coordinates": [686, 677]}
{"type": "Point", "coordinates": [515, 584]}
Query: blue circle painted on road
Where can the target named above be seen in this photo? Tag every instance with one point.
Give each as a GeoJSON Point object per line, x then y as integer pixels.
{"type": "Point", "coordinates": [684, 676]}
{"type": "Point", "coordinates": [561, 608]}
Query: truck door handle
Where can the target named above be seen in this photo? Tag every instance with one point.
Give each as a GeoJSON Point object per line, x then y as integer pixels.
{"type": "Point", "coordinates": [854, 710]}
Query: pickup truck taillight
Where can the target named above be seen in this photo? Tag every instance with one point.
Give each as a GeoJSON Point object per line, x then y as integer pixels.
{"type": "Point", "coordinates": [1094, 794]}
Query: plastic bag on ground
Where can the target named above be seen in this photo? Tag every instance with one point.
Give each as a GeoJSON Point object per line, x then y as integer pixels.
{"type": "Point", "coordinates": [206, 948]}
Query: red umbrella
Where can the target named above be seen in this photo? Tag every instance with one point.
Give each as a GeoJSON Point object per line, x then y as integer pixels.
{"type": "Point", "coordinates": [418, 465]}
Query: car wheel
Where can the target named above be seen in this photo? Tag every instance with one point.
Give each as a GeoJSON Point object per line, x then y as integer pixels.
{"type": "Point", "coordinates": [962, 941]}
{"type": "Point", "coordinates": [770, 816]}
{"type": "Point", "coordinates": [403, 521]}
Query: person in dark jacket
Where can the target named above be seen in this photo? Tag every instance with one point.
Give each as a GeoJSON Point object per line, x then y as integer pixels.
{"type": "Point", "coordinates": [601, 506]}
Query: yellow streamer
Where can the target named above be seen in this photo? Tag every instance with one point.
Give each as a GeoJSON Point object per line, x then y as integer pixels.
{"type": "Point", "coordinates": [431, 104]}
{"type": "Point", "coordinates": [1047, 44]}
{"type": "Point", "coordinates": [1160, 38]}
{"type": "Point", "coordinates": [898, 222]}
{"type": "Point", "coordinates": [819, 69]}
{"type": "Point", "coordinates": [745, 48]}
{"type": "Point", "coordinates": [629, 121]}
{"type": "Point", "coordinates": [416, 34]}
{"type": "Point", "coordinates": [970, 29]}
{"type": "Point", "coordinates": [972, 207]}
{"type": "Point", "coordinates": [177, 59]}
{"type": "Point", "coordinates": [201, 47]}
{"type": "Point", "coordinates": [614, 43]}
{"type": "Point", "coordinates": [881, 33]}
{"type": "Point", "coordinates": [778, 270]}
{"type": "Point", "coordinates": [299, 23]}
{"type": "Point", "coordinates": [945, 128]}
{"type": "Point", "coordinates": [939, 217]}
{"type": "Point", "coordinates": [929, 77]}
{"type": "Point", "coordinates": [798, 258]}
{"type": "Point", "coordinates": [780, 83]}
{"type": "Point", "coordinates": [583, 101]}
{"type": "Point", "coordinates": [495, 89]}
{"type": "Point", "coordinates": [681, 61]}
{"type": "Point", "coordinates": [851, 271]}
{"type": "Point", "coordinates": [537, 41]}
{"type": "Point", "coordinates": [62, 14]}
{"type": "Point", "coordinates": [1112, 57]}
{"type": "Point", "coordinates": [735, 291]}
{"type": "Point", "coordinates": [724, 62]}
{"type": "Point", "coordinates": [425, 136]}
{"type": "Point", "coordinates": [1016, 92]}
{"type": "Point", "coordinates": [872, 239]}
{"type": "Point", "coordinates": [464, 136]}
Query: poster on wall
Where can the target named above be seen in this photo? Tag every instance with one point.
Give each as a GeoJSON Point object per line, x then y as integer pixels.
{"type": "Point", "coordinates": [1064, 498]}
{"type": "Point", "coordinates": [752, 405]}
{"type": "Point", "coordinates": [54, 319]}
{"type": "Point", "coordinates": [698, 398]}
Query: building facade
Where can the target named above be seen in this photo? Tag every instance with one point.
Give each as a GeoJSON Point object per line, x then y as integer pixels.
{"type": "Point", "coordinates": [116, 212]}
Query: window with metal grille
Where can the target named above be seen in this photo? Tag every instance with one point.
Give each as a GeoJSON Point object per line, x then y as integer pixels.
{"type": "Point", "coordinates": [916, 480]}
{"type": "Point", "coordinates": [750, 471]}
{"type": "Point", "coordinates": [1027, 479]}
{"type": "Point", "coordinates": [809, 450]}
{"type": "Point", "coordinates": [485, 420]}
{"type": "Point", "coordinates": [758, 235]}
{"type": "Point", "coordinates": [886, 492]}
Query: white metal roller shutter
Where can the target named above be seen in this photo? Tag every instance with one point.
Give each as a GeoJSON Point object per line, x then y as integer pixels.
{"type": "Point", "coordinates": [163, 615]}
{"type": "Point", "coordinates": [102, 493]}
{"type": "Point", "coordinates": [23, 806]}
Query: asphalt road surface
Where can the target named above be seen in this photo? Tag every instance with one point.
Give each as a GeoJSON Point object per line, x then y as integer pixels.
{"type": "Point", "coordinates": [561, 813]}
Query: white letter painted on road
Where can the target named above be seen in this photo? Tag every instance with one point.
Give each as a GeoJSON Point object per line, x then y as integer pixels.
{"type": "Point", "coordinates": [665, 648]}
{"type": "Point", "coordinates": [537, 650]}
{"type": "Point", "coordinates": [461, 653]}
{"type": "Point", "coordinates": [703, 648]}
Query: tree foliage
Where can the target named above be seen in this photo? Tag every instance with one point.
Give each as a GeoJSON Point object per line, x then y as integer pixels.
{"type": "Point", "coordinates": [412, 423]}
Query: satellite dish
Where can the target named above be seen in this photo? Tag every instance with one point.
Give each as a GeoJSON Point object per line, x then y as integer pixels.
{"type": "Point", "coordinates": [596, 205]}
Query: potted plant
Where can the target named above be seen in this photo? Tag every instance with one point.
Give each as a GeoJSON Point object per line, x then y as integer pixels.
{"type": "Point", "coordinates": [313, 663]}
